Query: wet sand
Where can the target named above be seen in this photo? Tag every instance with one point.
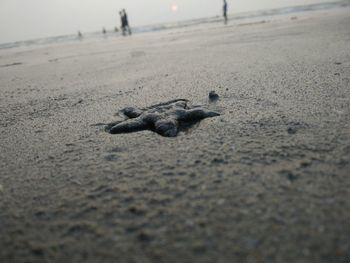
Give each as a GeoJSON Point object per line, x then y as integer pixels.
{"type": "Point", "coordinates": [266, 181]}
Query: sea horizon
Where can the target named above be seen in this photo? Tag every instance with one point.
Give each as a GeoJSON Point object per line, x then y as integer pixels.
{"type": "Point", "coordinates": [173, 25]}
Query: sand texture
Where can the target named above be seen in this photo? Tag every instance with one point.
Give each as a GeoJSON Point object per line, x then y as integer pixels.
{"type": "Point", "coordinates": [266, 181]}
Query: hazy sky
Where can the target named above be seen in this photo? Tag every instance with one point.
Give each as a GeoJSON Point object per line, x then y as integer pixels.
{"type": "Point", "coordinates": [28, 19]}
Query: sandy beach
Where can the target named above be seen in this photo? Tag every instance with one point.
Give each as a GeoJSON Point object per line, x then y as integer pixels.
{"type": "Point", "coordinates": [266, 181]}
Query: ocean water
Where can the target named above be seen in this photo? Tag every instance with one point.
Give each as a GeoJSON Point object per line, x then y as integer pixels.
{"type": "Point", "coordinates": [182, 24]}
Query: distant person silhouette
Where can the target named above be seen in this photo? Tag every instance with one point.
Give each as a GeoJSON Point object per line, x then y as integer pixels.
{"type": "Point", "coordinates": [122, 20]}
{"type": "Point", "coordinates": [224, 9]}
{"type": "Point", "coordinates": [104, 31]}
{"type": "Point", "coordinates": [80, 35]}
{"type": "Point", "coordinates": [125, 22]}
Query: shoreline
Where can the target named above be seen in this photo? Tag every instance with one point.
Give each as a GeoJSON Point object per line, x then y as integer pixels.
{"type": "Point", "coordinates": [260, 14]}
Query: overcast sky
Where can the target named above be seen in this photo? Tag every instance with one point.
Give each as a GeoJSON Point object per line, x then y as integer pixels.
{"type": "Point", "coordinates": [29, 19]}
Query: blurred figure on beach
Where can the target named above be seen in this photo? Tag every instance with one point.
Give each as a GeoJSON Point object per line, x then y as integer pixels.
{"type": "Point", "coordinates": [125, 22]}
{"type": "Point", "coordinates": [80, 35]}
{"type": "Point", "coordinates": [104, 31]}
{"type": "Point", "coordinates": [224, 9]}
{"type": "Point", "coordinates": [122, 27]}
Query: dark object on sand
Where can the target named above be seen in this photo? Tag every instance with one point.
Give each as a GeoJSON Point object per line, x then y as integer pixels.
{"type": "Point", "coordinates": [292, 130]}
{"type": "Point", "coordinates": [12, 64]}
{"type": "Point", "coordinates": [165, 119]}
{"type": "Point", "coordinates": [213, 95]}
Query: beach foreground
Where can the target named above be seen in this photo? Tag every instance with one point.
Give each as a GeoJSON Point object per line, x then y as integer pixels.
{"type": "Point", "coordinates": [266, 181]}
